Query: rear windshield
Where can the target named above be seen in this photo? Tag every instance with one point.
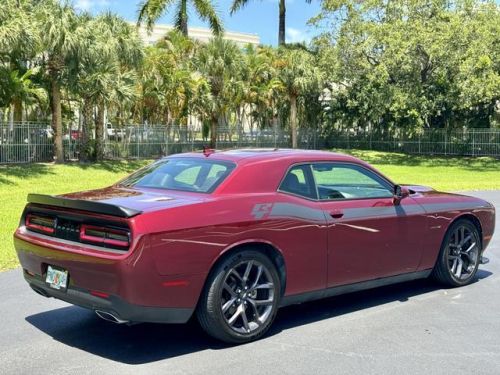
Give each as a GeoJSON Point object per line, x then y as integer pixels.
{"type": "Point", "coordinates": [185, 174]}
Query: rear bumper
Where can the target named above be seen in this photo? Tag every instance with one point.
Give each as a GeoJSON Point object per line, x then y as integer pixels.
{"type": "Point", "coordinates": [137, 292]}
{"type": "Point", "coordinates": [113, 304]}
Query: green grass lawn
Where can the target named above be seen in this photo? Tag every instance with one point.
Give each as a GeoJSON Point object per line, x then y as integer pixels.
{"type": "Point", "coordinates": [441, 173]}
{"type": "Point", "coordinates": [16, 181]}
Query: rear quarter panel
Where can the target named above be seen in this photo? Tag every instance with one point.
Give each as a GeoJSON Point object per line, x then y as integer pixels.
{"type": "Point", "coordinates": [189, 240]}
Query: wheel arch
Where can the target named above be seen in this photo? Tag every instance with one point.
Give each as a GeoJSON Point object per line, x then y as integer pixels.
{"type": "Point", "coordinates": [471, 218]}
{"type": "Point", "coordinates": [267, 248]}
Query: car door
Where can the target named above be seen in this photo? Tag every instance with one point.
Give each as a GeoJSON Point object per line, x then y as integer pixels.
{"type": "Point", "coordinates": [300, 228]}
{"type": "Point", "coordinates": [369, 234]}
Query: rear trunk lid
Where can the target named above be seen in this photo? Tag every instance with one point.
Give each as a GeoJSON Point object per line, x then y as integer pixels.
{"type": "Point", "coordinates": [103, 218]}
{"type": "Point", "coordinates": [134, 201]}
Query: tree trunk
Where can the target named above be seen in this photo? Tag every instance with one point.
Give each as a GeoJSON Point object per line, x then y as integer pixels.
{"type": "Point", "coordinates": [17, 119]}
{"type": "Point", "coordinates": [11, 117]}
{"type": "Point", "coordinates": [85, 152]}
{"type": "Point", "coordinates": [213, 131]}
{"type": "Point", "coordinates": [183, 18]}
{"type": "Point", "coordinates": [282, 25]}
{"type": "Point", "coordinates": [99, 133]}
{"type": "Point", "coordinates": [18, 110]}
{"type": "Point", "coordinates": [55, 103]}
{"type": "Point", "coordinates": [293, 119]}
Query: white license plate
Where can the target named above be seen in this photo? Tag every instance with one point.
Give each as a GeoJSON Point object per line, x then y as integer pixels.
{"type": "Point", "coordinates": [56, 278]}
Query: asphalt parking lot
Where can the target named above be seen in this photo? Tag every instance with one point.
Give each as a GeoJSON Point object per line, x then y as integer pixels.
{"type": "Point", "coordinates": [411, 328]}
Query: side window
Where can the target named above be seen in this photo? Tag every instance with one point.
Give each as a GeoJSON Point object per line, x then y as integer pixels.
{"type": "Point", "coordinates": [348, 181]}
{"type": "Point", "coordinates": [298, 181]}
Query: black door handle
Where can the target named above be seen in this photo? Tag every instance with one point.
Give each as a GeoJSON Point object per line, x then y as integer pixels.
{"type": "Point", "coordinates": [337, 214]}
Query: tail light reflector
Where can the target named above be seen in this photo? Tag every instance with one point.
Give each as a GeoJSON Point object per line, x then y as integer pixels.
{"type": "Point", "coordinates": [96, 293]}
{"type": "Point", "coordinates": [102, 235]}
{"type": "Point", "coordinates": [40, 223]}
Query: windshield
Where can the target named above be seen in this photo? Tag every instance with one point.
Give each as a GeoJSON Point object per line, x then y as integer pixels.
{"type": "Point", "coordinates": [185, 174]}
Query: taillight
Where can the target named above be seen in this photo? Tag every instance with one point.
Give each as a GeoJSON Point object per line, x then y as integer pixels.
{"type": "Point", "coordinates": [39, 223]}
{"type": "Point", "coordinates": [102, 235]}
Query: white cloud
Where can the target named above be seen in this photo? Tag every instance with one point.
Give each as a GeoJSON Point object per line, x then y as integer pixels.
{"type": "Point", "coordinates": [87, 5]}
{"type": "Point", "coordinates": [297, 36]}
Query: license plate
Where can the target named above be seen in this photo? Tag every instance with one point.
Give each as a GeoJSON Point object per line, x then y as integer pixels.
{"type": "Point", "coordinates": [57, 278]}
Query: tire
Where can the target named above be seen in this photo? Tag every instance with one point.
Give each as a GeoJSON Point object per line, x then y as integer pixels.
{"type": "Point", "coordinates": [225, 297]}
{"type": "Point", "coordinates": [459, 256]}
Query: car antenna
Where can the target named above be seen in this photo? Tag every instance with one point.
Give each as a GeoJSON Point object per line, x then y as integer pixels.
{"type": "Point", "coordinates": [207, 151]}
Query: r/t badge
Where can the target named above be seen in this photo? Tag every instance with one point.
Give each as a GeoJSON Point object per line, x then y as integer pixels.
{"type": "Point", "coordinates": [262, 210]}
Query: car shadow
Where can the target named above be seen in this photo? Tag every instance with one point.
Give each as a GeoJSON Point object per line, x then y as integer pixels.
{"type": "Point", "coordinates": [146, 343]}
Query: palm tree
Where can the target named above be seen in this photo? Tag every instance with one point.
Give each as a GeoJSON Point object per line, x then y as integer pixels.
{"type": "Point", "coordinates": [265, 85]}
{"type": "Point", "coordinates": [104, 77]}
{"type": "Point", "coordinates": [219, 62]}
{"type": "Point", "coordinates": [299, 74]}
{"type": "Point", "coordinates": [18, 44]}
{"type": "Point", "coordinates": [151, 10]}
{"type": "Point", "coordinates": [124, 52]}
{"type": "Point", "coordinates": [59, 45]}
{"type": "Point", "coordinates": [18, 31]}
{"type": "Point", "coordinates": [169, 83]}
{"type": "Point", "coordinates": [18, 90]}
{"type": "Point", "coordinates": [238, 4]}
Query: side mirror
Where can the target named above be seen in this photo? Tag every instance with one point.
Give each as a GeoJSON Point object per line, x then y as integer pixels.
{"type": "Point", "coordinates": [400, 192]}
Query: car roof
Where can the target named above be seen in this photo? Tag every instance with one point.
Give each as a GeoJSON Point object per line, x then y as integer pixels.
{"type": "Point", "coordinates": [251, 162]}
{"type": "Point", "coordinates": [251, 155]}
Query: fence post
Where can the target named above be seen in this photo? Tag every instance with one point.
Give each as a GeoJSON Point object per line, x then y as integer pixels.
{"type": "Point", "coordinates": [137, 144]}
{"type": "Point", "coordinates": [473, 142]}
{"type": "Point", "coordinates": [167, 139]}
{"type": "Point", "coordinates": [445, 141]}
{"type": "Point", "coordinates": [192, 138]}
{"type": "Point", "coordinates": [29, 141]}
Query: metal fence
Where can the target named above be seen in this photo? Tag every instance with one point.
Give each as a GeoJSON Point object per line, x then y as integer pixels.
{"type": "Point", "coordinates": [33, 142]}
{"type": "Point", "coordinates": [466, 142]}
{"type": "Point", "coordinates": [26, 142]}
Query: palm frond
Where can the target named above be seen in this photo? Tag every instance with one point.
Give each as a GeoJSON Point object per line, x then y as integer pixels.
{"type": "Point", "coordinates": [150, 11]}
{"type": "Point", "coordinates": [237, 5]}
{"type": "Point", "coordinates": [207, 12]}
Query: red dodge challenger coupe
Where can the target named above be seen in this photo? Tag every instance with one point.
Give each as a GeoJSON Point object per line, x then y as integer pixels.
{"type": "Point", "coordinates": [232, 236]}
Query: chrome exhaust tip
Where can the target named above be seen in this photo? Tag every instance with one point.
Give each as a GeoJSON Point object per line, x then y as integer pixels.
{"type": "Point", "coordinates": [110, 317]}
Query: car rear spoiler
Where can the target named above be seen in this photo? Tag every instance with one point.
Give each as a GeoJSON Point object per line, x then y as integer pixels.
{"type": "Point", "coordinates": [83, 205]}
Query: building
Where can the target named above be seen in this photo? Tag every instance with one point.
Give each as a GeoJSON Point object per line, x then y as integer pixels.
{"type": "Point", "coordinates": [201, 34]}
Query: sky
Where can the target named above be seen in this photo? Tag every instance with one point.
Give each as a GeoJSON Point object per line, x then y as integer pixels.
{"type": "Point", "coordinates": [258, 17]}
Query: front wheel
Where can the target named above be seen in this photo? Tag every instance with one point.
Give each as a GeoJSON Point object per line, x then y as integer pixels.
{"type": "Point", "coordinates": [240, 300]}
{"type": "Point", "coordinates": [460, 253]}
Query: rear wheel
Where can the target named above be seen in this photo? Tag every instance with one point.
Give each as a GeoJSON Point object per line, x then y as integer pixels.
{"type": "Point", "coordinates": [241, 298]}
{"type": "Point", "coordinates": [459, 257]}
